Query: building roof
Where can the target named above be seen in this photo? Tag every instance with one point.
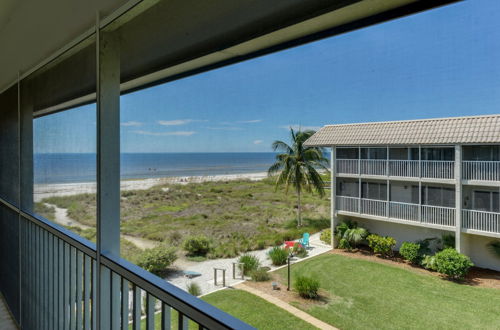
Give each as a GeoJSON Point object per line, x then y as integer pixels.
{"type": "Point", "coordinates": [453, 130]}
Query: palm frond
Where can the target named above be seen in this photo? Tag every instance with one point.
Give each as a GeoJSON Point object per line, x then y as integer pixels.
{"type": "Point", "coordinates": [494, 247]}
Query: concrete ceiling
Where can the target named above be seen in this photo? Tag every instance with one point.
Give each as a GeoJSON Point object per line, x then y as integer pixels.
{"type": "Point", "coordinates": [32, 30]}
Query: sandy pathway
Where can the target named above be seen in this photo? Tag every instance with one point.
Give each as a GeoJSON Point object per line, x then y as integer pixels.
{"type": "Point", "coordinates": [61, 217]}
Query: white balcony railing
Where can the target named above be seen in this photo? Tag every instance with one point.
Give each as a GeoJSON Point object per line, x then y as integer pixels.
{"type": "Point", "coordinates": [481, 220]}
{"type": "Point", "coordinates": [373, 166]}
{"type": "Point", "coordinates": [438, 169]}
{"type": "Point", "coordinates": [481, 170]}
{"type": "Point", "coordinates": [434, 169]}
{"type": "Point", "coordinates": [374, 207]}
{"type": "Point", "coordinates": [348, 166]}
{"type": "Point", "coordinates": [348, 204]}
{"type": "Point", "coordinates": [438, 215]}
{"type": "Point", "coordinates": [404, 168]}
{"type": "Point", "coordinates": [403, 211]}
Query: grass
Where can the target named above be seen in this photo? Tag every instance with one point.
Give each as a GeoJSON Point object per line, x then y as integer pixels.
{"type": "Point", "coordinates": [247, 307]}
{"type": "Point", "coordinates": [238, 216]}
{"type": "Point", "coordinates": [366, 294]}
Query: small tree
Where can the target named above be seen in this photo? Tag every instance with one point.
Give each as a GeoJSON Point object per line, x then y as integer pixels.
{"type": "Point", "coordinates": [297, 166]}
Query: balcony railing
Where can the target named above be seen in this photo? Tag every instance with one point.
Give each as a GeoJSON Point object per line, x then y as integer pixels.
{"type": "Point", "coordinates": [435, 169]}
{"type": "Point", "coordinates": [403, 211]}
{"type": "Point", "coordinates": [435, 215]}
{"type": "Point", "coordinates": [481, 220]}
{"type": "Point", "coordinates": [438, 215]}
{"type": "Point", "coordinates": [404, 168]}
{"type": "Point", "coordinates": [481, 170]}
{"type": "Point", "coordinates": [65, 284]}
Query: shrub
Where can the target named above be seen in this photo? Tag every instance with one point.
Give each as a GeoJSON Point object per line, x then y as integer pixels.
{"type": "Point", "coordinates": [157, 259]}
{"type": "Point", "coordinates": [381, 244]}
{"type": "Point", "coordinates": [194, 289]}
{"type": "Point", "coordinates": [250, 262]}
{"type": "Point", "coordinates": [261, 245]}
{"type": "Point", "coordinates": [428, 262]}
{"type": "Point", "coordinates": [452, 263]}
{"type": "Point", "coordinates": [411, 252]}
{"type": "Point", "coordinates": [344, 244]}
{"type": "Point", "coordinates": [307, 287]}
{"type": "Point", "coordinates": [260, 275]}
{"type": "Point", "coordinates": [448, 241]}
{"type": "Point", "coordinates": [197, 245]}
{"type": "Point", "coordinates": [326, 236]}
{"type": "Point", "coordinates": [299, 250]}
{"type": "Point", "coordinates": [278, 256]}
{"type": "Point", "coordinates": [349, 231]}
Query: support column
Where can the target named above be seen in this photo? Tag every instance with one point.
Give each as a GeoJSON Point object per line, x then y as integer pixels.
{"type": "Point", "coordinates": [459, 246]}
{"type": "Point", "coordinates": [420, 183]}
{"type": "Point", "coordinates": [108, 165]}
{"type": "Point", "coordinates": [333, 193]}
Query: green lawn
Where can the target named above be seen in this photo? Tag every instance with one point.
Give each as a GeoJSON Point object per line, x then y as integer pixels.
{"type": "Point", "coordinates": [369, 295]}
{"type": "Point", "coordinates": [249, 308]}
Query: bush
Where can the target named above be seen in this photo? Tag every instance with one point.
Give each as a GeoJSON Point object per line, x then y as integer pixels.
{"type": "Point", "coordinates": [299, 250]}
{"type": "Point", "coordinates": [326, 236]}
{"type": "Point", "coordinates": [250, 262]}
{"type": "Point", "coordinates": [197, 245]}
{"type": "Point", "coordinates": [261, 245]}
{"type": "Point", "coordinates": [157, 259]}
{"type": "Point", "coordinates": [194, 289]}
{"type": "Point", "coordinates": [351, 233]}
{"type": "Point", "coordinates": [428, 262]}
{"type": "Point", "coordinates": [411, 252]}
{"type": "Point", "coordinates": [494, 248]}
{"type": "Point", "coordinates": [307, 287]}
{"type": "Point", "coordinates": [448, 241]}
{"type": "Point", "coordinates": [278, 255]}
{"type": "Point", "coordinates": [344, 244]}
{"type": "Point", "coordinates": [260, 275]}
{"type": "Point", "coordinates": [382, 245]}
{"type": "Point", "coordinates": [452, 263]}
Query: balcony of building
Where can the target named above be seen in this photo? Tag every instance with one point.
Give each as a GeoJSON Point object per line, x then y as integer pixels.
{"type": "Point", "coordinates": [407, 162]}
{"type": "Point", "coordinates": [481, 163]}
{"type": "Point", "coordinates": [407, 202]}
{"type": "Point", "coordinates": [481, 210]}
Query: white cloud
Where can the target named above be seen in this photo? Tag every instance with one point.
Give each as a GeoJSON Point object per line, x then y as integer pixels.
{"type": "Point", "coordinates": [131, 123]}
{"type": "Point", "coordinates": [249, 121]}
{"type": "Point", "coordinates": [178, 122]}
{"type": "Point", "coordinates": [177, 133]}
{"type": "Point", "coordinates": [301, 127]}
{"type": "Point", "coordinates": [257, 142]}
{"type": "Point", "coordinates": [227, 128]}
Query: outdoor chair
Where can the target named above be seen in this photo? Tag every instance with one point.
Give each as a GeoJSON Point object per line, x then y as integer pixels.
{"type": "Point", "coordinates": [305, 240]}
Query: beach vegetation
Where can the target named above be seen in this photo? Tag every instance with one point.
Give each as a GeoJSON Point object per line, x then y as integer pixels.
{"type": "Point", "coordinates": [157, 259]}
{"type": "Point", "coordinates": [194, 289]}
{"type": "Point", "coordinates": [278, 255]}
{"type": "Point", "coordinates": [197, 245]}
{"type": "Point", "coordinates": [297, 166]}
{"type": "Point", "coordinates": [249, 263]}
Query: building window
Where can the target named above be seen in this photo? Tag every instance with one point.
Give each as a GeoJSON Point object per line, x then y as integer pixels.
{"type": "Point", "coordinates": [374, 190]}
{"type": "Point", "coordinates": [438, 196]}
{"type": "Point", "coordinates": [486, 201]}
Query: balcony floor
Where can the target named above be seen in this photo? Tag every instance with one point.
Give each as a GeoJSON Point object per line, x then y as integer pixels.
{"type": "Point", "coordinates": [6, 321]}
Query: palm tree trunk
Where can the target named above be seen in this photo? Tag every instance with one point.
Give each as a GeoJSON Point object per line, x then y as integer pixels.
{"type": "Point", "coordinates": [299, 214]}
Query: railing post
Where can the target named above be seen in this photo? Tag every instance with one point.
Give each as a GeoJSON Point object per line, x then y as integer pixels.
{"type": "Point", "coordinates": [458, 199]}
{"type": "Point", "coordinates": [108, 164]}
{"type": "Point", "coordinates": [333, 193]}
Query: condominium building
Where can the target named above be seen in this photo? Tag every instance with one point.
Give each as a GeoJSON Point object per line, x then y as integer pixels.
{"type": "Point", "coordinates": [416, 179]}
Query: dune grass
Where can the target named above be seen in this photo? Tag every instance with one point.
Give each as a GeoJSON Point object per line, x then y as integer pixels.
{"type": "Point", "coordinates": [239, 216]}
{"type": "Point", "coordinates": [369, 295]}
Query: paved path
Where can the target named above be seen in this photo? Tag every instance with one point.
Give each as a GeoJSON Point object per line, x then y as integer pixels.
{"type": "Point", "coordinates": [61, 217]}
{"type": "Point", "coordinates": [6, 322]}
{"type": "Point", "coordinates": [206, 268]}
{"type": "Point", "coordinates": [289, 308]}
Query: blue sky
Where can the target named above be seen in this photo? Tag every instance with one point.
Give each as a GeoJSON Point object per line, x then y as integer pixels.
{"type": "Point", "coordinates": [440, 63]}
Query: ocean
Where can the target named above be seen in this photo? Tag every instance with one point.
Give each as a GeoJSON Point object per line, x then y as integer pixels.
{"type": "Point", "coordinates": [69, 168]}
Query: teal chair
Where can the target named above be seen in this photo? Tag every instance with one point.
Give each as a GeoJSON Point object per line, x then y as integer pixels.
{"type": "Point", "coordinates": [305, 240]}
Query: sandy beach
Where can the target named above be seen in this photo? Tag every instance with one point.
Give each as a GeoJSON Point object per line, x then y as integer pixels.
{"type": "Point", "coordinates": [42, 191]}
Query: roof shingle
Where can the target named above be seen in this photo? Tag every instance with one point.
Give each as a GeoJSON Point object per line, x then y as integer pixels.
{"type": "Point", "coordinates": [453, 130]}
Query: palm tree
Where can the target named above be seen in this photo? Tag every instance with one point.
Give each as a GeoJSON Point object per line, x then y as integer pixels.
{"type": "Point", "coordinates": [297, 166]}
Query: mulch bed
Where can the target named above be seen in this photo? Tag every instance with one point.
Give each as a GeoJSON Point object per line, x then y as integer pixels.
{"type": "Point", "coordinates": [481, 277]}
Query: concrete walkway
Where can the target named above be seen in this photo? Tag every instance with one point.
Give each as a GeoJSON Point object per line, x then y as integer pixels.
{"type": "Point", "coordinates": [206, 268]}
{"type": "Point", "coordinates": [289, 308]}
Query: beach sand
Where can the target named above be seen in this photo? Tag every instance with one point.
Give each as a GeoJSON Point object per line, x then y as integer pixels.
{"type": "Point", "coordinates": [42, 191]}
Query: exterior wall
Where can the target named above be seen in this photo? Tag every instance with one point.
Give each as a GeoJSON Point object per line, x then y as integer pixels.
{"type": "Point", "coordinates": [474, 245]}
